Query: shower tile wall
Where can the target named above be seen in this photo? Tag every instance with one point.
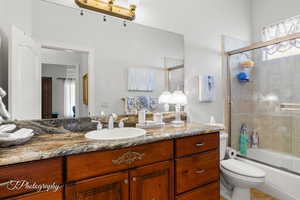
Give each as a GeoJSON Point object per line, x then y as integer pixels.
{"type": "Point", "coordinates": [257, 103]}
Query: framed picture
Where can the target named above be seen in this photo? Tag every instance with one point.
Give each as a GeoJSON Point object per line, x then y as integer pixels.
{"type": "Point", "coordinates": [206, 88]}
{"type": "Point", "coordinates": [140, 80]}
{"type": "Point", "coordinates": [85, 89]}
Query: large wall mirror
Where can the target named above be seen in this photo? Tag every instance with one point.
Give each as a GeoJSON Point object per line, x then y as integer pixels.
{"type": "Point", "coordinates": [75, 65]}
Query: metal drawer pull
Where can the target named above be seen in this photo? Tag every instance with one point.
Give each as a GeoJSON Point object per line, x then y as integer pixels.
{"type": "Point", "coordinates": [200, 144]}
{"type": "Point", "coordinates": [200, 171]}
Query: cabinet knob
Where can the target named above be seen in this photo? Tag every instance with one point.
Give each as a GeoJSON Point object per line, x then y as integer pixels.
{"type": "Point", "coordinates": [200, 144]}
{"type": "Point", "coordinates": [126, 181]}
{"type": "Point", "coordinates": [200, 171]}
{"type": "Point", "coordinates": [134, 179]}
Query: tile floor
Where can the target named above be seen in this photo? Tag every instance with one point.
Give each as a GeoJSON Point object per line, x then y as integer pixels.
{"type": "Point", "coordinates": [258, 195]}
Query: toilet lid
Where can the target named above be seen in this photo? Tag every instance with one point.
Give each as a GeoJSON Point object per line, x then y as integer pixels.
{"type": "Point", "coordinates": [242, 168]}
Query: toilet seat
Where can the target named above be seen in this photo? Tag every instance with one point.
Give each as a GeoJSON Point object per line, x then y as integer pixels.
{"type": "Point", "coordinates": [243, 169]}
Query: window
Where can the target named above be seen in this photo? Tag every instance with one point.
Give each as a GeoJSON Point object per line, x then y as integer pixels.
{"type": "Point", "coordinates": [281, 29]}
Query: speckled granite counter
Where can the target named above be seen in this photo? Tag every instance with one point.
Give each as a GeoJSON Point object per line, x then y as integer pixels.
{"type": "Point", "coordinates": [45, 146]}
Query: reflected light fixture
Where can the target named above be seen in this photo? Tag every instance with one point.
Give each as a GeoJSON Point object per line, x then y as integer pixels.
{"type": "Point", "coordinates": [111, 7]}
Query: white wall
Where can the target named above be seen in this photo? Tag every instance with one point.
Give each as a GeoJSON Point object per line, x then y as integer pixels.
{"type": "Point", "coordinates": [202, 23]}
{"type": "Point", "coordinates": [116, 48]}
{"type": "Point", "coordinates": [266, 12]}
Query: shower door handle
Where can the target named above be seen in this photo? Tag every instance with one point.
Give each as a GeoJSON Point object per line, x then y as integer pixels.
{"type": "Point", "coordinates": [290, 106]}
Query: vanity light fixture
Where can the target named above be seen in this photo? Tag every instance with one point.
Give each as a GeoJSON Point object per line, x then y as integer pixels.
{"type": "Point", "coordinates": [165, 98]}
{"type": "Point", "coordinates": [110, 7]}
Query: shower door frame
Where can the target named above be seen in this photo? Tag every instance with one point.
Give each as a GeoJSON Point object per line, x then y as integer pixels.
{"type": "Point", "coordinates": [228, 101]}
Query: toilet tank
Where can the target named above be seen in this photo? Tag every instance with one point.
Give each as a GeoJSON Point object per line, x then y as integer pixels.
{"type": "Point", "coordinates": [223, 144]}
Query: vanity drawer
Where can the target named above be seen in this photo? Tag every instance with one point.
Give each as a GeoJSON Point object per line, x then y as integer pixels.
{"type": "Point", "coordinates": [98, 163]}
{"type": "Point", "coordinates": [196, 144]}
{"type": "Point", "coordinates": [208, 192]}
{"type": "Point", "coordinates": [39, 172]}
{"type": "Point", "coordinates": [197, 170]}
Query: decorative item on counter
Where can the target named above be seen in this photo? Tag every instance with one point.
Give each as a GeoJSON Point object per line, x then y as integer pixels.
{"type": "Point", "coordinates": [254, 139]}
{"type": "Point", "coordinates": [4, 114]}
{"type": "Point", "coordinates": [135, 103]}
{"type": "Point", "coordinates": [179, 99]}
{"type": "Point", "coordinates": [158, 117]}
{"type": "Point", "coordinates": [150, 124]}
{"type": "Point", "coordinates": [142, 117]}
{"type": "Point", "coordinates": [244, 139]}
{"type": "Point", "coordinates": [15, 138]}
{"type": "Point", "coordinates": [156, 123]}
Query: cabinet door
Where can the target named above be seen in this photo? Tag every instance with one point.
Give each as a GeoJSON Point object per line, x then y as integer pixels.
{"type": "Point", "coordinates": [41, 196]}
{"type": "Point", "coordinates": [153, 182]}
{"type": "Point", "coordinates": [110, 187]}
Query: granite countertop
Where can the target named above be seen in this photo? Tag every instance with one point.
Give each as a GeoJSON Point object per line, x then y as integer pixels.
{"type": "Point", "coordinates": [51, 145]}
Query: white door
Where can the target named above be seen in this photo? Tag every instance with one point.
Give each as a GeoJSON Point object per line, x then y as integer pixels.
{"type": "Point", "coordinates": [24, 72]}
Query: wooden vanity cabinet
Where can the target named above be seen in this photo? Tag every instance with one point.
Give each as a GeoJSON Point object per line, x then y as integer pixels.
{"type": "Point", "coordinates": [40, 172]}
{"type": "Point", "coordinates": [153, 182]}
{"type": "Point", "coordinates": [177, 169]}
{"type": "Point", "coordinates": [197, 169]}
{"type": "Point", "coordinates": [41, 196]}
{"type": "Point", "coordinates": [110, 187]}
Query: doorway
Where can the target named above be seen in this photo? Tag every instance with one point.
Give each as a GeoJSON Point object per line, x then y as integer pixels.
{"type": "Point", "coordinates": [62, 82]}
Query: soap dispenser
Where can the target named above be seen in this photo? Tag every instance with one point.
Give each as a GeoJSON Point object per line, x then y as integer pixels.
{"type": "Point", "coordinates": [111, 122]}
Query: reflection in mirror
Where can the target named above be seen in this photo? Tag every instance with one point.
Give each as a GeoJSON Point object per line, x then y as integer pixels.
{"type": "Point", "coordinates": [80, 65]}
{"type": "Point", "coordinates": [62, 86]}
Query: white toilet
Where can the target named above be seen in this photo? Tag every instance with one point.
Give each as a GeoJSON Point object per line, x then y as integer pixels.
{"type": "Point", "coordinates": [240, 175]}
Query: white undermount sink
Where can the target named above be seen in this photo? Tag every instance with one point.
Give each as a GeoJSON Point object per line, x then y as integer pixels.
{"type": "Point", "coordinates": [116, 134]}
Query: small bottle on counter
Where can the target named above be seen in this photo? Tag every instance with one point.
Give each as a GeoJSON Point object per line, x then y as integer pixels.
{"type": "Point", "coordinates": [142, 117]}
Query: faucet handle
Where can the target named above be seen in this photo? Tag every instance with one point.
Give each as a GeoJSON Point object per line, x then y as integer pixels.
{"type": "Point", "coordinates": [114, 116]}
{"type": "Point", "coordinates": [121, 123]}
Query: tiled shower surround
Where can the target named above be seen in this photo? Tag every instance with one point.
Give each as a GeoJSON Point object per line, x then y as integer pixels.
{"type": "Point", "coordinates": [257, 103]}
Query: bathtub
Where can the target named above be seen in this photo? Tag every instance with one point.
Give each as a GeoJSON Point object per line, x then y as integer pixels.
{"type": "Point", "coordinates": [279, 183]}
{"type": "Point", "coordinates": [280, 160]}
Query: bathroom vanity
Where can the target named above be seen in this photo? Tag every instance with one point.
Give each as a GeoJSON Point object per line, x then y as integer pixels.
{"type": "Point", "coordinates": [166, 164]}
